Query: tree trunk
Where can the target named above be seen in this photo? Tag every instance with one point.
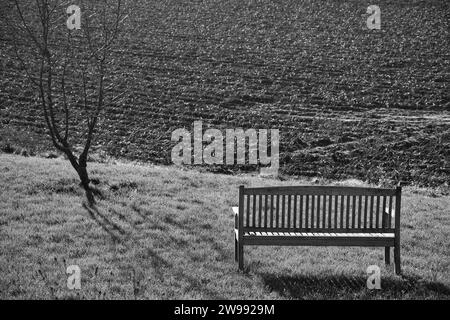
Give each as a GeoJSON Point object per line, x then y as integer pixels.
{"type": "Point", "coordinates": [83, 174]}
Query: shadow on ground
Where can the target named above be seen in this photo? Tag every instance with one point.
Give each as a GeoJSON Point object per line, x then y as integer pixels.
{"type": "Point", "coordinates": [129, 236]}
{"type": "Point", "coordinates": [343, 286]}
{"type": "Point", "coordinates": [114, 230]}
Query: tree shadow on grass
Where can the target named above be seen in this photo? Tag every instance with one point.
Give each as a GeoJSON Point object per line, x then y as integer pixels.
{"type": "Point", "coordinates": [351, 287]}
{"type": "Point", "coordinates": [198, 285]}
{"type": "Point", "coordinates": [169, 221]}
{"type": "Point", "coordinates": [163, 268]}
{"type": "Point", "coordinates": [143, 214]}
{"type": "Point", "coordinates": [114, 230]}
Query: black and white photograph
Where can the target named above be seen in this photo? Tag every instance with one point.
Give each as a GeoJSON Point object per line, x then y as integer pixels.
{"type": "Point", "coordinates": [225, 156]}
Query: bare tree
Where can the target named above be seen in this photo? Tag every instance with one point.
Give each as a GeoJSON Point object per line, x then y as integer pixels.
{"type": "Point", "coordinates": [68, 68]}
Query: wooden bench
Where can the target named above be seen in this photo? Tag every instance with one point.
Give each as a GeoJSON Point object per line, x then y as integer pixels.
{"type": "Point", "coordinates": [318, 216]}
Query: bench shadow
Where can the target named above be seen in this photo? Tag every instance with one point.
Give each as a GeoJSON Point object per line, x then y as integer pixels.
{"type": "Point", "coordinates": [350, 287]}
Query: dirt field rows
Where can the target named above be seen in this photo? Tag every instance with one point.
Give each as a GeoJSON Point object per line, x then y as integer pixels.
{"type": "Point", "coordinates": [349, 102]}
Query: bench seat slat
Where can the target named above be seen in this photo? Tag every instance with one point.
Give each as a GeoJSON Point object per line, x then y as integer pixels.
{"type": "Point", "coordinates": [321, 230]}
{"type": "Point", "coordinates": [313, 234]}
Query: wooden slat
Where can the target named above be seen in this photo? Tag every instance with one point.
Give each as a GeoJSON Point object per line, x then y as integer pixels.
{"type": "Point", "coordinates": [335, 211]}
{"type": "Point", "coordinates": [330, 203]}
{"type": "Point", "coordinates": [366, 199]}
{"type": "Point", "coordinates": [377, 215]}
{"type": "Point", "coordinates": [390, 212]}
{"type": "Point", "coordinates": [260, 210]}
{"type": "Point", "coordinates": [254, 211]}
{"type": "Point", "coordinates": [342, 212]}
{"type": "Point", "coordinates": [283, 213]}
{"type": "Point", "coordinates": [313, 202]}
{"type": "Point", "coordinates": [306, 211]}
{"type": "Point", "coordinates": [319, 234]}
{"type": "Point", "coordinates": [322, 234]}
{"type": "Point", "coordinates": [324, 212]}
{"type": "Point", "coordinates": [321, 241]}
{"type": "Point", "coordinates": [318, 211]}
{"type": "Point", "coordinates": [353, 211]}
{"type": "Point", "coordinates": [384, 216]}
{"type": "Point", "coordinates": [321, 230]}
{"type": "Point", "coordinates": [278, 211]}
{"type": "Point", "coordinates": [271, 210]}
{"type": "Point", "coordinates": [301, 212]}
{"type": "Point", "coordinates": [265, 210]}
{"type": "Point", "coordinates": [372, 198]}
{"type": "Point", "coordinates": [322, 190]}
{"type": "Point", "coordinates": [347, 213]}
{"type": "Point", "coordinates": [359, 211]}
{"type": "Point", "coordinates": [295, 211]}
{"type": "Point", "coordinates": [289, 212]}
{"type": "Point", "coordinates": [247, 218]}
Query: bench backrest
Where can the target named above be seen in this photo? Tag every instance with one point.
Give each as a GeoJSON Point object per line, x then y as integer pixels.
{"type": "Point", "coordinates": [319, 209]}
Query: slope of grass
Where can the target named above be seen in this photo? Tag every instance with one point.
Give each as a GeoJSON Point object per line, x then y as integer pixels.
{"type": "Point", "coordinates": [165, 233]}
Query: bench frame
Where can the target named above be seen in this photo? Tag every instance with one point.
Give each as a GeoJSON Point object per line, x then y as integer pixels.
{"type": "Point", "coordinates": [258, 238]}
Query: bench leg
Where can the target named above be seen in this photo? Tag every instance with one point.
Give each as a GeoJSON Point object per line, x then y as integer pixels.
{"type": "Point", "coordinates": [397, 259]}
{"type": "Point", "coordinates": [387, 255]}
{"type": "Point", "coordinates": [241, 256]}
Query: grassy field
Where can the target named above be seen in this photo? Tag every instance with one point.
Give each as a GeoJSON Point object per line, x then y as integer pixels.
{"type": "Point", "coordinates": [349, 102]}
{"type": "Point", "coordinates": [164, 233]}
